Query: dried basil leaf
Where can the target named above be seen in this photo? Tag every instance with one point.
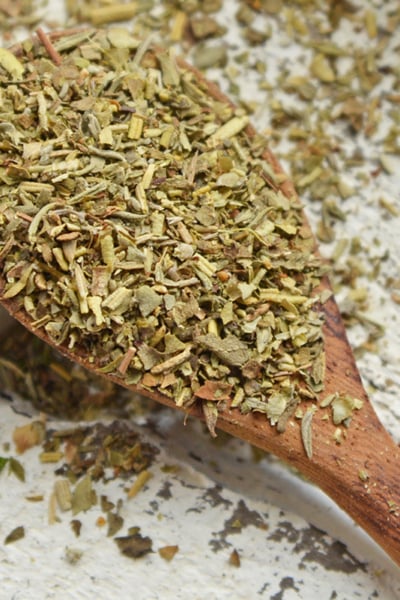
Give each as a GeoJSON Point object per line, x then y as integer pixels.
{"type": "Point", "coordinates": [16, 534]}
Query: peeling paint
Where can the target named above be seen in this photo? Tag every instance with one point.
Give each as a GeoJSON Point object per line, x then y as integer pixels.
{"type": "Point", "coordinates": [241, 518]}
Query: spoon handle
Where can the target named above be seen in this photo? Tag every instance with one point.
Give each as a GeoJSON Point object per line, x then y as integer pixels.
{"type": "Point", "coordinates": [362, 479]}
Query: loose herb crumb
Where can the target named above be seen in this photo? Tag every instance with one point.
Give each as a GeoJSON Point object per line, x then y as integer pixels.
{"type": "Point", "coordinates": [234, 558]}
{"type": "Point", "coordinates": [141, 480]}
{"type": "Point", "coordinates": [76, 527]}
{"type": "Point", "coordinates": [16, 468]}
{"type": "Point", "coordinates": [134, 545]}
{"type": "Point", "coordinates": [73, 555]}
{"type": "Point", "coordinates": [115, 523]}
{"type": "Point", "coordinates": [16, 534]}
{"type": "Point", "coordinates": [168, 552]}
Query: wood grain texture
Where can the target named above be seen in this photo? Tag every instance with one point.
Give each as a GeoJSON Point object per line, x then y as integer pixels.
{"type": "Point", "coordinates": [374, 503]}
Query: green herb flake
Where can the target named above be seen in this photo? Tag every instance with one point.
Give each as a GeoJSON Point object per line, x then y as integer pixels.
{"type": "Point", "coordinates": [306, 431]}
{"type": "Point", "coordinates": [82, 495]}
{"type": "Point", "coordinates": [363, 475]}
{"type": "Point", "coordinates": [16, 468]}
{"type": "Point", "coordinates": [16, 534]}
{"type": "Point", "coordinates": [343, 407]}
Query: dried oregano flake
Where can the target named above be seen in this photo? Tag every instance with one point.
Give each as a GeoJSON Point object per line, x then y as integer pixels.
{"type": "Point", "coordinates": [134, 545]}
{"type": "Point", "coordinates": [16, 534]}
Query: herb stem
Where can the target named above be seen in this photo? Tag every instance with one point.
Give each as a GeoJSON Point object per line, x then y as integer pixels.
{"type": "Point", "coordinates": [51, 51]}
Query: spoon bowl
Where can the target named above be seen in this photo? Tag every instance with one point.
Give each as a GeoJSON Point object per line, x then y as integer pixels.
{"type": "Point", "coordinates": [359, 470]}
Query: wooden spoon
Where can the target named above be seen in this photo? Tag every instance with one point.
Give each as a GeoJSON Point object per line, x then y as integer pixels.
{"type": "Point", "coordinates": [360, 474]}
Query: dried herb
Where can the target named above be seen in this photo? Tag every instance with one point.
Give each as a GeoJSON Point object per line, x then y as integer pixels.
{"type": "Point", "coordinates": [168, 552]}
{"type": "Point", "coordinates": [134, 545]}
{"type": "Point", "coordinates": [141, 480]}
{"type": "Point", "coordinates": [62, 491]}
{"type": "Point", "coordinates": [234, 558]}
{"type": "Point", "coordinates": [16, 468]}
{"type": "Point", "coordinates": [96, 448]}
{"type": "Point", "coordinates": [73, 555]}
{"type": "Point", "coordinates": [54, 385]}
{"type": "Point", "coordinates": [82, 496]}
{"type": "Point", "coordinates": [29, 435]}
{"type": "Point", "coordinates": [115, 523]}
{"type": "Point", "coordinates": [91, 453]}
{"type": "Point", "coordinates": [136, 210]}
{"type": "Point", "coordinates": [3, 462]}
{"type": "Point", "coordinates": [306, 431]}
{"type": "Point", "coordinates": [343, 407]}
{"type": "Point", "coordinates": [20, 13]}
{"type": "Point", "coordinates": [16, 534]}
{"type": "Point", "coordinates": [76, 526]}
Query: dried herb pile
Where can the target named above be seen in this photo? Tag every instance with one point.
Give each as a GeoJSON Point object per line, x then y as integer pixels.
{"type": "Point", "coordinates": [142, 224]}
{"type": "Point", "coordinates": [89, 454]}
{"type": "Point", "coordinates": [318, 115]}
{"type": "Point", "coordinates": [20, 13]}
{"type": "Point", "coordinates": [34, 370]}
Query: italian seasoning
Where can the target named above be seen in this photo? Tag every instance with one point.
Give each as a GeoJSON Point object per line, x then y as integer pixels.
{"type": "Point", "coordinates": [143, 226]}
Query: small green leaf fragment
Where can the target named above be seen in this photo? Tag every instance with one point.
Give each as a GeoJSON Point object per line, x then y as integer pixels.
{"type": "Point", "coordinates": [343, 407]}
{"type": "Point", "coordinates": [230, 350]}
{"type": "Point", "coordinates": [3, 462]}
{"type": "Point", "coordinates": [276, 405]}
{"type": "Point", "coordinates": [115, 523]}
{"type": "Point", "coordinates": [82, 498]}
{"type": "Point", "coordinates": [16, 468]}
{"type": "Point", "coordinates": [16, 534]}
{"type": "Point", "coordinates": [10, 63]}
{"type": "Point", "coordinates": [147, 300]}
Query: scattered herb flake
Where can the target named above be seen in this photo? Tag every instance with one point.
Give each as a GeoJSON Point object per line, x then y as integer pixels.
{"type": "Point", "coordinates": [16, 468]}
{"type": "Point", "coordinates": [82, 495]}
{"type": "Point", "coordinates": [134, 545]}
{"type": "Point", "coordinates": [234, 558]}
{"type": "Point", "coordinates": [16, 534]}
{"type": "Point", "coordinates": [115, 523]}
{"type": "Point", "coordinates": [168, 552]}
